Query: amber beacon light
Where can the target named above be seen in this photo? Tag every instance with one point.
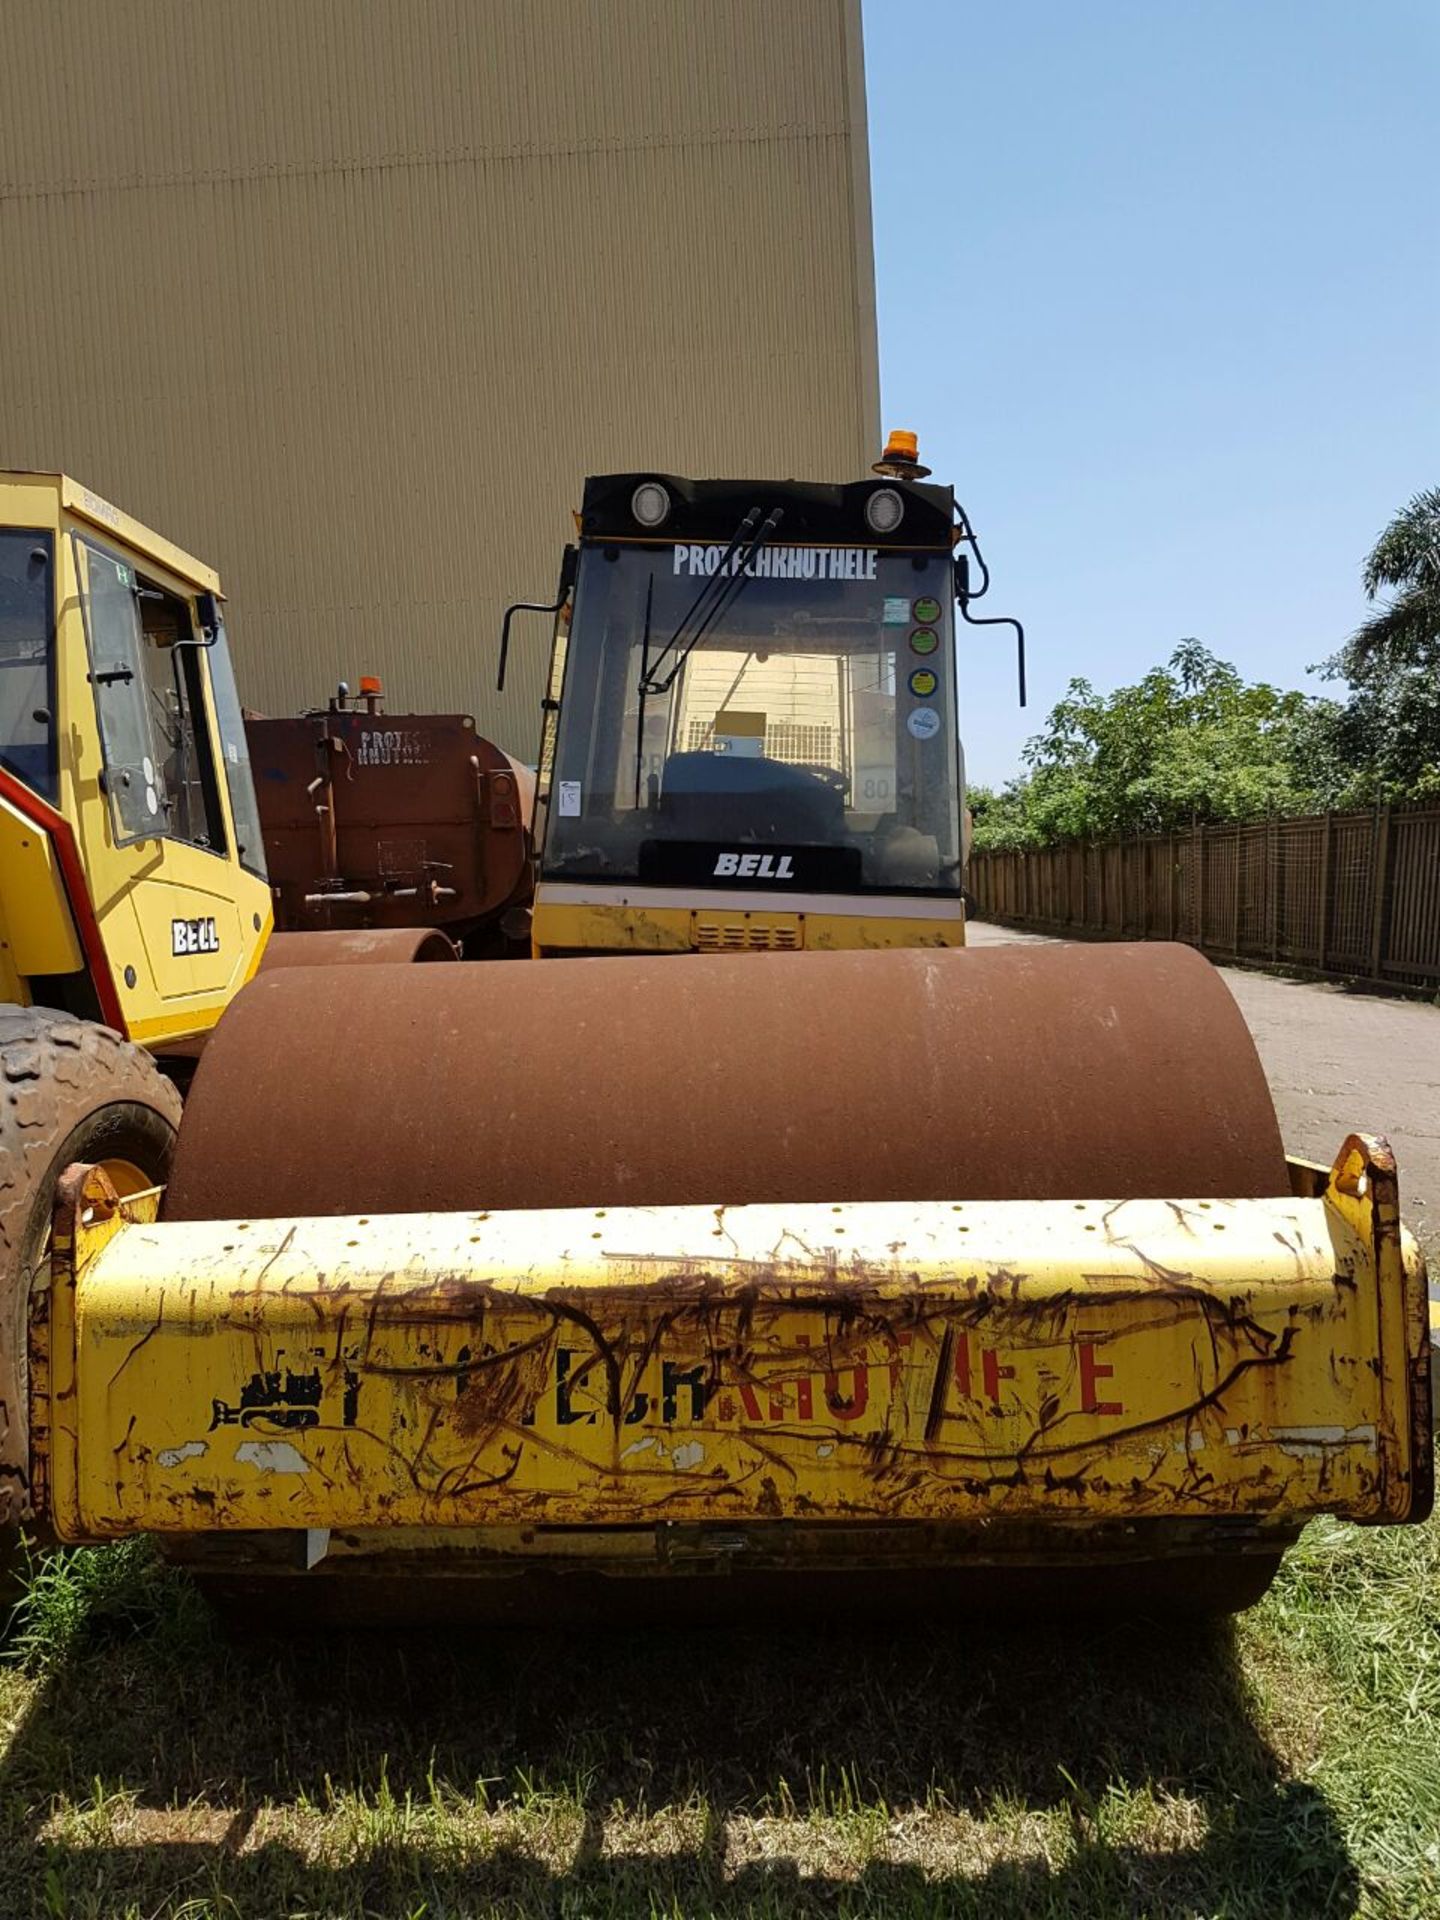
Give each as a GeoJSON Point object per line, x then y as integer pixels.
{"type": "Point", "coordinates": [901, 458]}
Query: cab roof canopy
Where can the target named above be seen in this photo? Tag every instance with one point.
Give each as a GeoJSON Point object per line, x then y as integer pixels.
{"type": "Point", "coordinates": [712, 510]}
{"type": "Point", "coordinates": [73, 498]}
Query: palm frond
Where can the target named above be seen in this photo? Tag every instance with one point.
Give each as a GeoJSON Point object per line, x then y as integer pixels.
{"type": "Point", "coordinates": [1406, 633]}
{"type": "Point", "coordinates": [1408, 551]}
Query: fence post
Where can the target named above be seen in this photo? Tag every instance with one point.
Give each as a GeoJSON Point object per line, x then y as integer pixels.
{"type": "Point", "coordinates": [1380, 915]}
{"type": "Point", "coordinates": [1272, 885]}
{"type": "Point", "coordinates": [1124, 865]}
{"type": "Point", "coordinates": [1235, 833]}
{"type": "Point", "coordinates": [1174, 883]}
{"type": "Point", "coordinates": [1326, 836]}
{"type": "Point", "coordinates": [1199, 833]}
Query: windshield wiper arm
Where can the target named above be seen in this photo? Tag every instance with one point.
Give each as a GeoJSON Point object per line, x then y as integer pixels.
{"type": "Point", "coordinates": [713, 583]}
{"type": "Point", "coordinates": [644, 684]}
{"type": "Point", "coordinates": [729, 593]}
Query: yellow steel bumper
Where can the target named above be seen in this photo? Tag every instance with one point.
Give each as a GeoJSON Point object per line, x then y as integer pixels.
{"type": "Point", "coordinates": [990, 1366]}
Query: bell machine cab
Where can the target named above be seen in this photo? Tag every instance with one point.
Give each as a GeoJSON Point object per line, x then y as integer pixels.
{"type": "Point", "coordinates": [750, 734]}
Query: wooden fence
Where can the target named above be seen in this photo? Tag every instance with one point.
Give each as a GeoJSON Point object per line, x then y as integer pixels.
{"type": "Point", "coordinates": [1355, 895]}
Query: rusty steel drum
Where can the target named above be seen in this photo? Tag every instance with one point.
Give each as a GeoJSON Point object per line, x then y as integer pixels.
{"type": "Point", "coordinates": [357, 947]}
{"type": "Point", "coordinates": [1059, 1072]}
{"type": "Point", "coordinates": [354, 947]}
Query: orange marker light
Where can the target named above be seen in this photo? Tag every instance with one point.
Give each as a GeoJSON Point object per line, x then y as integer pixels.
{"type": "Point", "coordinates": [370, 683]}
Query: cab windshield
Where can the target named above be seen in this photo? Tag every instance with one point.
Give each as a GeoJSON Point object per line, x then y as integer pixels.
{"type": "Point", "coordinates": [806, 740]}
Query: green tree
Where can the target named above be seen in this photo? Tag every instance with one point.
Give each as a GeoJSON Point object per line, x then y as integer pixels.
{"type": "Point", "coordinates": [1001, 819]}
{"type": "Point", "coordinates": [1388, 731]}
{"type": "Point", "coordinates": [1192, 742]}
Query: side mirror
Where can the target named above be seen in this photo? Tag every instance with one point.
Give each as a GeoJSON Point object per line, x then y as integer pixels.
{"type": "Point", "coordinates": [963, 597]}
{"type": "Point", "coordinates": [569, 562]}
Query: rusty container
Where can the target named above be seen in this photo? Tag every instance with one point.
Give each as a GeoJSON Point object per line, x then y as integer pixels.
{"type": "Point", "coordinates": [394, 820]}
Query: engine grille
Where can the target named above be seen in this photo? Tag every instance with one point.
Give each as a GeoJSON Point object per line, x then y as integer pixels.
{"type": "Point", "coordinates": [711, 934]}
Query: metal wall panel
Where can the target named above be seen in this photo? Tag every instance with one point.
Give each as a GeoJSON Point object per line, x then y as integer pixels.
{"type": "Point", "coordinates": [348, 295]}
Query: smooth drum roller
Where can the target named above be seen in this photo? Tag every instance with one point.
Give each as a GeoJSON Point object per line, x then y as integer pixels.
{"type": "Point", "coordinates": [1059, 1072]}
{"type": "Point", "coordinates": [1046, 1073]}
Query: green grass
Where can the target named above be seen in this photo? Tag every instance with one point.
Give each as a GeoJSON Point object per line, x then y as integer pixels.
{"type": "Point", "coordinates": [1289, 1766]}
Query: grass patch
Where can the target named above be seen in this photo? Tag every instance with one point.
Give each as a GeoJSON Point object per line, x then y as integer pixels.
{"type": "Point", "coordinates": [74, 1597]}
{"type": "Point", "coordinates": [1360, 1611]}
{"type": "Point", "coordinates": [1287, 1767]}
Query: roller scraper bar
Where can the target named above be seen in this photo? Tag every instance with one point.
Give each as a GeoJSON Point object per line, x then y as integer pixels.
{"type": "Point", "coordinates": [1011, 1373]}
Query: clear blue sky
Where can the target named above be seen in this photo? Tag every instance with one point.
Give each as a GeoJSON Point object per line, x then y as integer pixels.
{"type": "Point", "coordinates": [1159, 288]}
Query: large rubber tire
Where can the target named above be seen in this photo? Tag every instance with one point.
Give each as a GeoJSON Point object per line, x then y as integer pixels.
{"type": "Point", "coordinates": [69, 1090]}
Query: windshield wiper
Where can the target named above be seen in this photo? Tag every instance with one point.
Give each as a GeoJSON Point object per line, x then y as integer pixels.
{"type": "Point", "coordinates": [712, 583]}
{"type": "Point", "coordinates": [644, 683]}
{"type": "Point", "coordinates": [732, 581]}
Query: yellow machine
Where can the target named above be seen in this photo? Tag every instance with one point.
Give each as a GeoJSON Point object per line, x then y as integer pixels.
{"type": "Point", "coordinates": [122, 760]}
{"type": "Point", "coordinates": [134, 903]}
{"type": "Point", "coordinates": [885, 1263]}
{"type": "Point", "coordinates": [133, 899]}
{"type": "Point", "coordinates": [750, 741]}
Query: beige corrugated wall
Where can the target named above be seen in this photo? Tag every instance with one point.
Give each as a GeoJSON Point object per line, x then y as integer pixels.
{"type": "Point", "coordinates": [347, 295]}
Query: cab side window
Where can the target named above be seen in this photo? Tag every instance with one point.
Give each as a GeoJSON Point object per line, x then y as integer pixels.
{"type": "Point", "coordinates": [177, 720]}
{"type": "Point", "coordinates": [159, 771]}
{"type": "Point", "coordinates": [27, 659]}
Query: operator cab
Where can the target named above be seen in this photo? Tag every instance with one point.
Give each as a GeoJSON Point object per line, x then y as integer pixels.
{"type": "Point", "coordinates": [130, 846]}
{"type": "Point", "coordinates": [751, 734]}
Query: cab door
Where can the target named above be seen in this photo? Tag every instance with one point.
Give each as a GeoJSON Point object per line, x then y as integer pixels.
{"type": "Point", "coordinates": [181, 920]}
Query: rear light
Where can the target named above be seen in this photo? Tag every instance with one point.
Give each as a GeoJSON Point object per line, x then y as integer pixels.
{"type": "Point", "coordinates": [503, 811]}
